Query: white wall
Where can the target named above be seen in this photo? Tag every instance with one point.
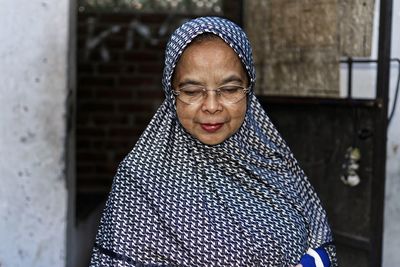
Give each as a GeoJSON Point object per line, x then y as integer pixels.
{"type": "Point", "coordinates": [391, 246]}
{"type": "Point", "coordinates": [33, 87]}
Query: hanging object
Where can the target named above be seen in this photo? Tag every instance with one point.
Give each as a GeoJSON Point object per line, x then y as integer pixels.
{"type": "Point", "coordinates": [350, 167]}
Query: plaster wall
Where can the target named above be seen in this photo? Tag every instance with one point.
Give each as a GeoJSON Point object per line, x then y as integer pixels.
{"type": "Point", "coordinates": [33, 89]}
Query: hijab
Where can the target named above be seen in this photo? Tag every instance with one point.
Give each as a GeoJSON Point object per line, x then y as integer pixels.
{"type": "Point", "coordinates": [178, 202]}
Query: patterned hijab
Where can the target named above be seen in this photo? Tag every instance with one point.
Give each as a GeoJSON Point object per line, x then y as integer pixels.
{"type": "Point", "coordinates": [178, 202]}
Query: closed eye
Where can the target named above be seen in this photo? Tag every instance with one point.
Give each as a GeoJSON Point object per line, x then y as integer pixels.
{"type": "Point", "coordinates": [192, 90]}
{"type": "Point", "coordinates": [230, 89]}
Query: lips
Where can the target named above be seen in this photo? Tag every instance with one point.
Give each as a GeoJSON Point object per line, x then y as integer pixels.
{"type": "Point", "coordinates": [211, 127]}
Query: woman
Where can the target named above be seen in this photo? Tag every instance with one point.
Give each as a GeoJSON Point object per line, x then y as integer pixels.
{"type": "Point", "coordinates": [210, 182]}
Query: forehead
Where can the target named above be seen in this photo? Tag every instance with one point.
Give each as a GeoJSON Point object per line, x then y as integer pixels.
{"type": "Point", "coordinates": [208, 47]}
{"type": "Point", "coordinates": [209, 61]}
{"type": "Point", "coordinates": [207, 58]}
{"type": "Point", "coordinates": [205, 37]}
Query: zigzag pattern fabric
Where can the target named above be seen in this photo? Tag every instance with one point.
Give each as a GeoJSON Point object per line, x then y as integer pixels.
{"type": "Point", "coordinates": [178, 202]}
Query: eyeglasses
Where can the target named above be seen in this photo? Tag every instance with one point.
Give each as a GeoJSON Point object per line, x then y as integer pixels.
{"type": "Point", "coordinates": [195, 94]}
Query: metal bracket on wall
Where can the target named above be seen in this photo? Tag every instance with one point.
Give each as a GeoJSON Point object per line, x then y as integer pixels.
{"type": "Point", "coordinates": [350, 63]}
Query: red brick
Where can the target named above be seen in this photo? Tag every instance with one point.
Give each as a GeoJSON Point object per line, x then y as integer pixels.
{"type": "Point", "coordinates": [83, 118]}
{"type": "Point", "coordinates": [81, 43]}
{"type": "Point", "coordinates": [90, 131]}
{"type": "Point", "coordinates": [157, 19]}
{"type": "Point", "coordinates": [82, 16]}
{"type": "Point", "coordinates": [110, 68]}
{"type": "Point", "coordinates": [99, 143]}
{"type": "Point", "coordinates": [156, 69]}
{"type": "Point", "coordinates": [108, 167]}
{"type": "Point", "coordinates": [90, 156]}
{"type": "Point", "coordinates": [118, 157]}
{"type": "Point", "coordinates": [94, 183]}
{"type": "Point", "coordinates": [97, 107]}
{"type": "Point", "coordinates": [113, 93]}
{"type": "Point", "coordinates": [134, 107]}
{"type": "Point", "coordinates": [84, 92]}
{"type": "Point", "coordinates": [151, 94]}
{"type": "Point", "coordinates": [104, 120]}
{"type": "Point", "coordinates": [85, 68]}
{"type": "Point", "coordinates": [83, 144]}
{"type": "Point", "coordinates": [111, 18]}
{"type": "Point", "coordinates": [136, 81]}
{"type": "Point", "coordinates": [142, 56]}
{"type": "Point", "coordinates": [115, 43]}
{"type": "Point", "coordinates": [82, 29]}
{"type": "Point", "coordinates": [131, 69]}
{"type": "Point", "coordinates": [95, 55]}
{"type": "Point", "coordinates": [84, 80]}
{"type": "Point", "coordinates": [85, 168]}
{"type": "Point", "coordinates": [100, 27]}
{"type": "Point", "coordinates": [158, 47]}
{"type": "Point", "coordinates": [142, 120]}
{"type": "Point", "coordinates": [119, 143]}
{"type": "Point", "coordinates": [124, 131]}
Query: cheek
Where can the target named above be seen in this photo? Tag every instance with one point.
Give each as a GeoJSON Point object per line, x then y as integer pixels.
{"type": "Point", "coordinates": [185, 114]}
{"type": "Point", "coordinates": [239, 114]}
{"type": "Point", "coordinates": [237, 122]}
{"type": "Point", "coordinates": [180, 110]}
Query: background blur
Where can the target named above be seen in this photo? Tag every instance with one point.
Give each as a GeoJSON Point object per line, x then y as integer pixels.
{"type": "Point", "coordinates": [80, 80]}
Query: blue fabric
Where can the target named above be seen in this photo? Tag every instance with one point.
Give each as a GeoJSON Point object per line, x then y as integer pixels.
{"type": "Point", "coordinates": [178, 202]}
{"type": "Point", "coordinates": [324, 256]}
{"type": "Point", "coordinates": [307, 261]}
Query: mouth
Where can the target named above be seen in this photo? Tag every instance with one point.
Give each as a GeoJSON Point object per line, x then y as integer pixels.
{"type": "Point", "coordinates": [211, 127]}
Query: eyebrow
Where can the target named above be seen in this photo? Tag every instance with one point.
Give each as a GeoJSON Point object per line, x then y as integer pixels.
{"type": "Point", "coordinates": [232, 78]}
{"type": "Point", "coordinates": [188, 82]}
{"type": "Point", "coordinates": [229, 79]}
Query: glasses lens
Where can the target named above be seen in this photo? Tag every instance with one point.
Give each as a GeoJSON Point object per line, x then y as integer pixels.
{"type": "Point", "coordinates": [232, 93]}
{"type": "Point", "coordinates": [191, 94]}
{"type": "Point", "coordinates": [194, 94]}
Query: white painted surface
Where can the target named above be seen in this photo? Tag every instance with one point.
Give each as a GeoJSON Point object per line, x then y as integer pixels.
{"type": "Point", "coordinates": [391, 245]}
{"type": "Point", "coordinates": [33, 86]}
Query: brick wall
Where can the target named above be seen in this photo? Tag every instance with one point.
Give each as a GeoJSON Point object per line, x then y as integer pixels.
{"type": "Point", "coordinates": [119, 89]}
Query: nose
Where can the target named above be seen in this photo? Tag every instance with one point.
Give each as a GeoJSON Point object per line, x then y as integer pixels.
{"type": "Point", "coordinates": [211, 103]}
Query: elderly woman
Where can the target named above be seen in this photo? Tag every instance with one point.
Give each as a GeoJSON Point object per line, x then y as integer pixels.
{"type": "Point", "coordinates": [210, 182]}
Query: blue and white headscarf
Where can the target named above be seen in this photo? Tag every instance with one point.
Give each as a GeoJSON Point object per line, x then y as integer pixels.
{"type": "Point", "coordinates": [178, 202]}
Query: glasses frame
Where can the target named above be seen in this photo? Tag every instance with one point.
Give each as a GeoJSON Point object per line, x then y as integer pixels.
{"type": "Point", "coordinates": [217, 91]}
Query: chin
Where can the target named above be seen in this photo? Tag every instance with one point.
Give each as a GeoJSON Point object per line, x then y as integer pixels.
{"type": "Point", "coordinates": [211, 141]}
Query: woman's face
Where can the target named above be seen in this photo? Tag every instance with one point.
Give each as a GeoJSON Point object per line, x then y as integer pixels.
{"type": "Point", "coordinates": [210, 63]}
